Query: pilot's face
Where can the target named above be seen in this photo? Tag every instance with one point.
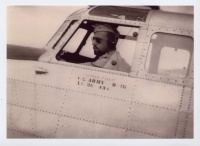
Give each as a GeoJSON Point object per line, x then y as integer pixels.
{"type": "Point", "coordinates": [100, 43]}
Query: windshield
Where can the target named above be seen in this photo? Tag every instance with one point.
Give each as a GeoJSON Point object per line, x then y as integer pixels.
{"type": "Point", "coordinates": [63, 34]}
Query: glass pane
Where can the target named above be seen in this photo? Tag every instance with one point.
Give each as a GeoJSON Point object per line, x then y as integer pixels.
{"type": "Point", "coordinates": [75, 41]}
{"type": "Point", "coordinates": [58, 34]}
{"type": "Point", "coordinates": [169, 55]}
{"type": "Point", "coordinates": [66, 35]}
{"type": "Point", "coordinates": [121, 13]}
{"type": "Point", "coordinates": [173, 62]}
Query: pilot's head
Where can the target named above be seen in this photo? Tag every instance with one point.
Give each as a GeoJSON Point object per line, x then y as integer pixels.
{"type": "Point", "coordinates": [104, 40]}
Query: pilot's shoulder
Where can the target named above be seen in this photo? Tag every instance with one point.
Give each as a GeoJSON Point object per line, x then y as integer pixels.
{"type": "Point", "coordinates": [116, 62]}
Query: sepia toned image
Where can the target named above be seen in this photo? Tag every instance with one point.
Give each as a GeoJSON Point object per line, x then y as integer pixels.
{"type": "Point", "coordinates": [106, 72]}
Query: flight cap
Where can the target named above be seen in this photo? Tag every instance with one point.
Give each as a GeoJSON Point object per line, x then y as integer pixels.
{"type": "Point", "coordinates": [104, 28]}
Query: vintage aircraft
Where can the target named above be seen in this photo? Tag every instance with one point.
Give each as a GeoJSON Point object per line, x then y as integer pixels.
{"type": "Point", "coordinates": [58, 97]}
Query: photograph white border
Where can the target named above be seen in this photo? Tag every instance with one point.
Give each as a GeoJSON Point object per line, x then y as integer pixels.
{"type": "Point", "coordinates": [87, 142]}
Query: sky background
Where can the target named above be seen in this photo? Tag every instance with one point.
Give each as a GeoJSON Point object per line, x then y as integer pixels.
{"type": "Point", "coordinates": [33, 26]}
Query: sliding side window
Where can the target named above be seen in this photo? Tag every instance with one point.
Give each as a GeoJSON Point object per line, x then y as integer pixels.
{"type": "Point", "coordinates": [169, 55]}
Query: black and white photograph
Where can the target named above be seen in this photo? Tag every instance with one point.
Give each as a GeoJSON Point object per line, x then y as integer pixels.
{"type": "Point", "coordinates": [104, 72]}
{"type": "Point", "coordinates": [107, 72]}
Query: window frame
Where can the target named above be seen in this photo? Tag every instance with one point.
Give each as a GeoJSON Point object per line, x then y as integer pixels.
{"type": "Point", "coordinates": [53, 45]}
{"type": "Point", "coordinates": [138, 66]}
{"type": "Point", "coordinates": [79, 48]}
{"type": "Point", "coordinates": [189, 61]}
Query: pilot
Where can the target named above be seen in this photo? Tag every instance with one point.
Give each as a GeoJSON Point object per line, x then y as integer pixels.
{"type": "Point", "coordinates": [104, 45]}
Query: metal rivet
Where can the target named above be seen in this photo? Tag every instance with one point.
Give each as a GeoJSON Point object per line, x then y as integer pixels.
{"type": "Point", "coordinates": [114, 62]}
{"type": "Point", "coordinates": [135, 34]}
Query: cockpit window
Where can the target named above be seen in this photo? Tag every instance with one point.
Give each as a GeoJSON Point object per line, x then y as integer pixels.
{"type": "Point", "coordinates": [169, 55]}
{"type": "Point", "coordinates": [124, 13]}
{"type": "Point", "coordinates": [79, 48]}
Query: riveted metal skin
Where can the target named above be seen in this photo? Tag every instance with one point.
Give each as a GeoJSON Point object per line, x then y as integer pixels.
{"type": "Point", "coordinates": [77, 101]}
